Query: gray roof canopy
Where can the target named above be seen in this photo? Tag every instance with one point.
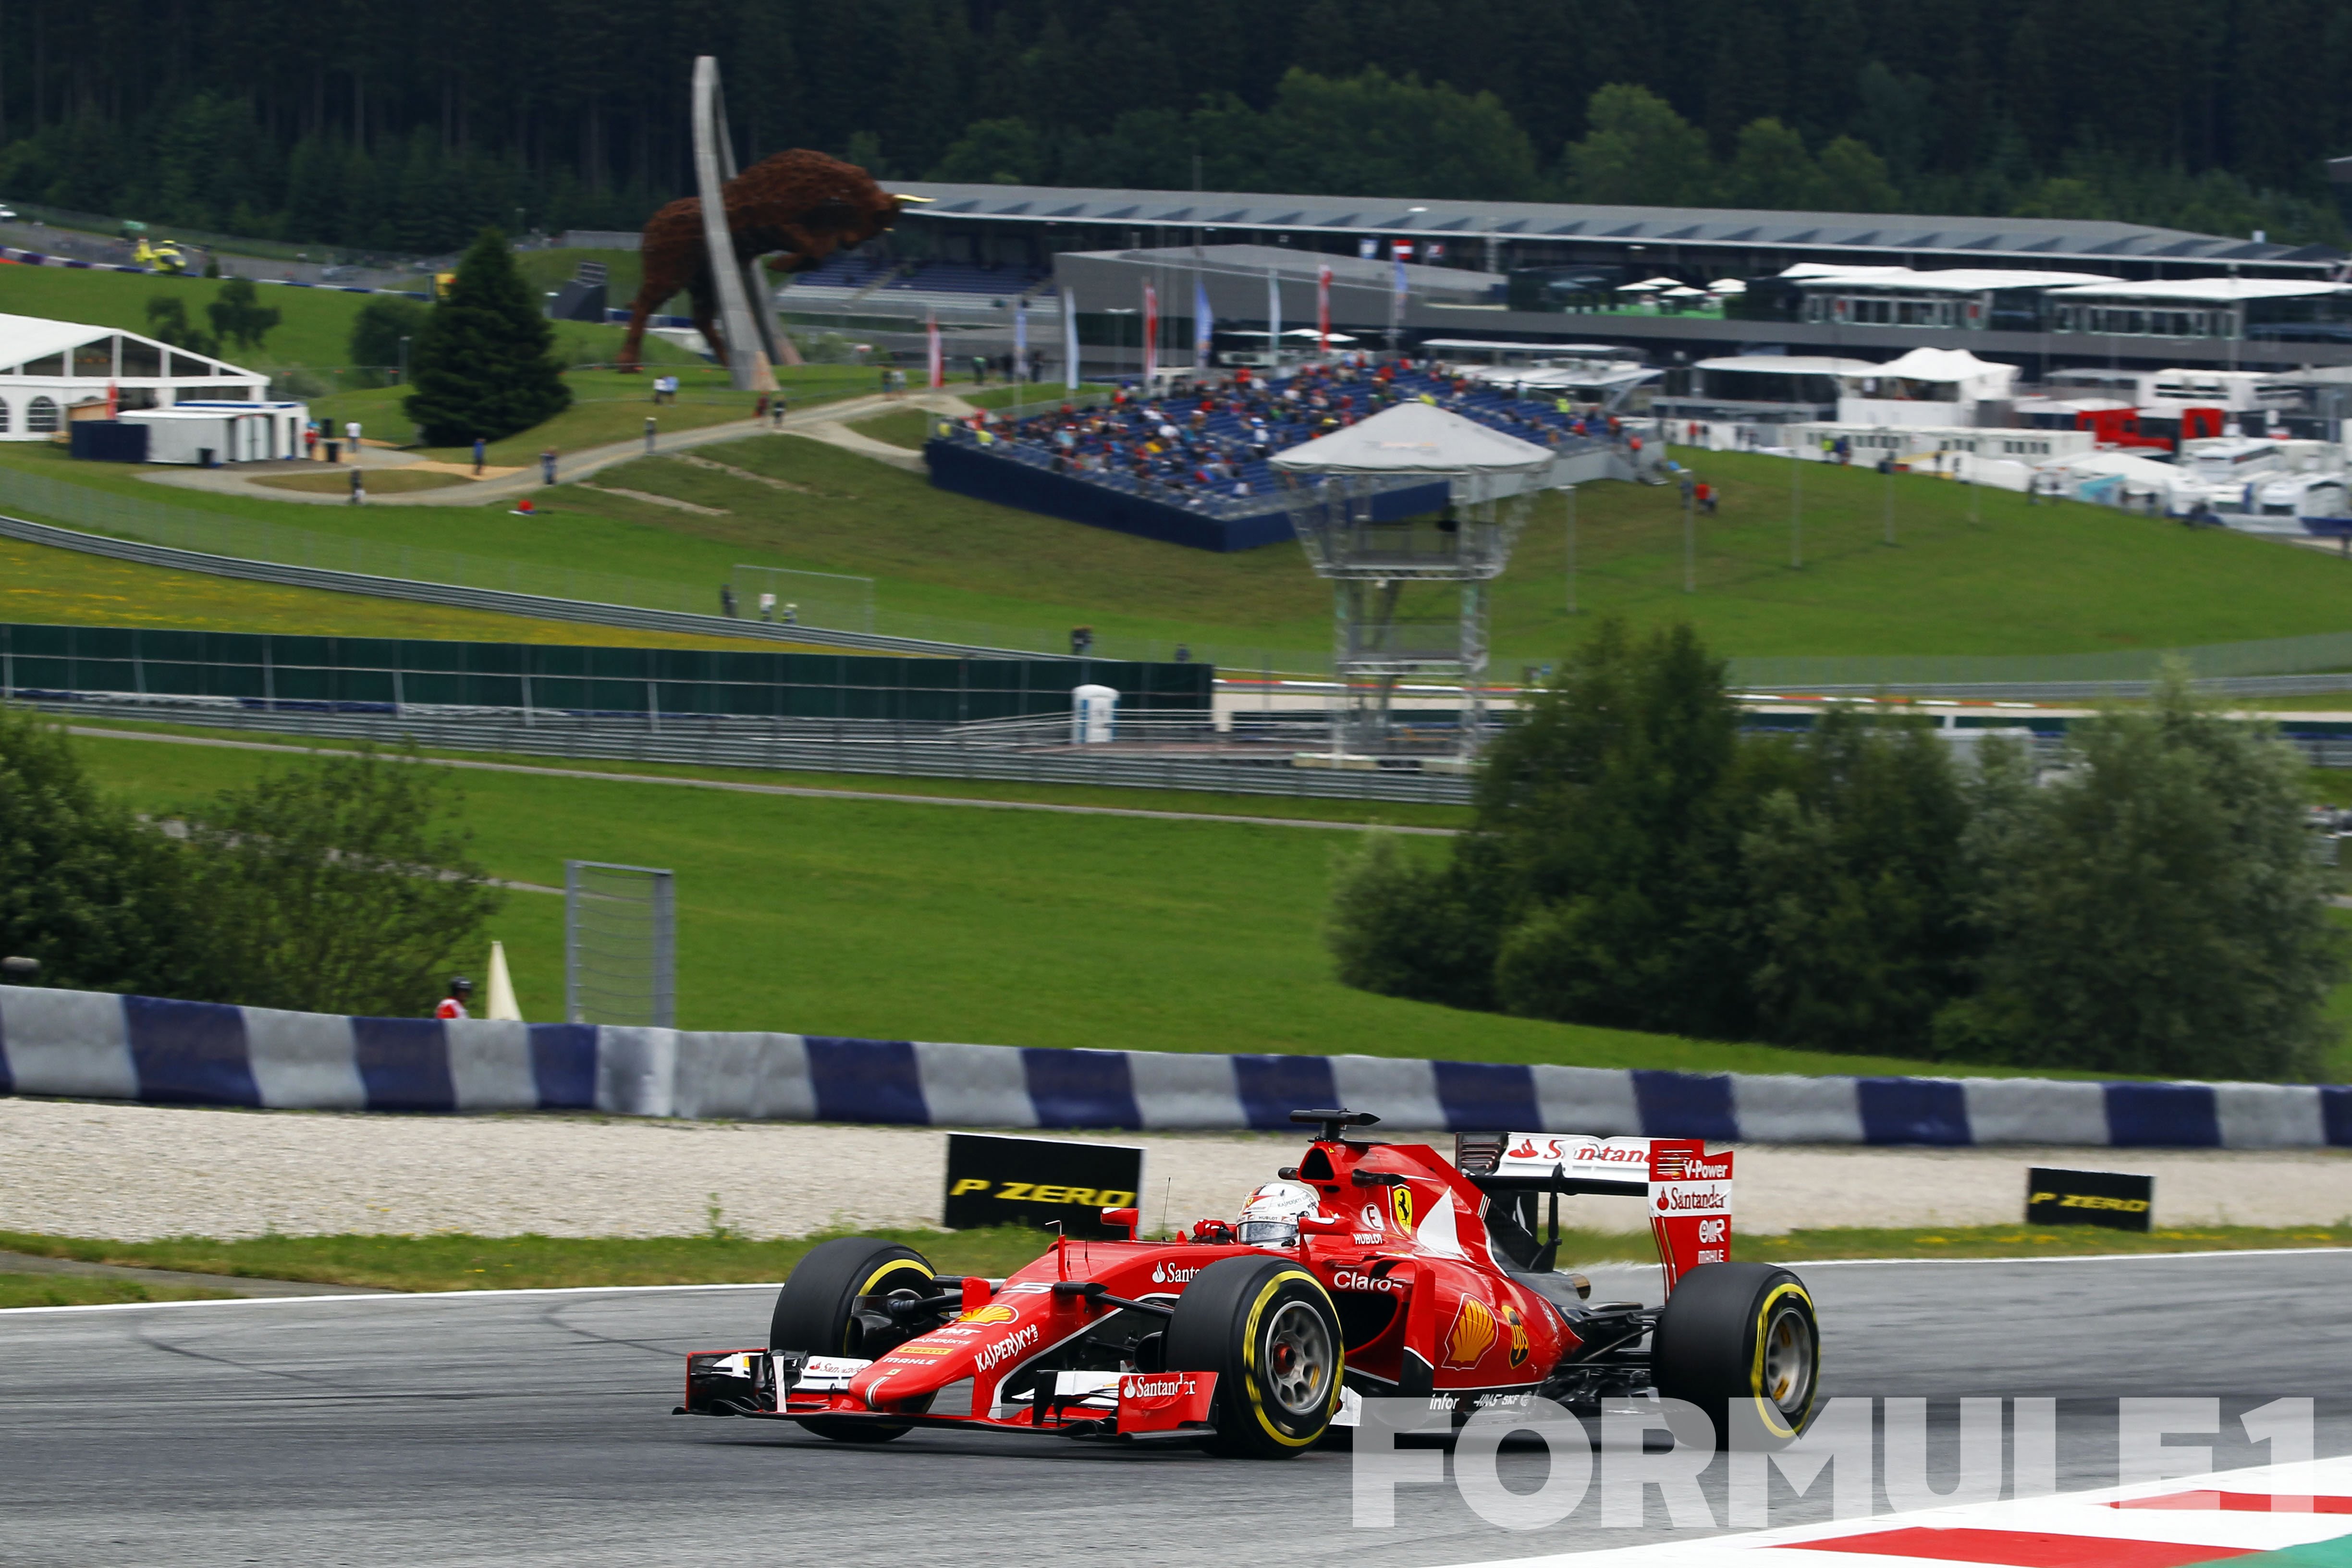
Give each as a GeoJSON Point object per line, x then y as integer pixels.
{"type": "Point", "coordinates": [1412, 217]}
{"type": "Point", "coordinates": [1415, 438]}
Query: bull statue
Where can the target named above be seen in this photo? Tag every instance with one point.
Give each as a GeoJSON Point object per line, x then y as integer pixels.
{"type": "Point", "coordinates": [795, 208]}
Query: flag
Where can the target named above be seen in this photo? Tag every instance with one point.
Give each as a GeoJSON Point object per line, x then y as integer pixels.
{"type": "Point", "coordinates": [1151, 334]}
{"type": "Point", "coordinates": [1273, 320]}
{"type": "Point", "coordinates": [1323, 310]}
{"type": "Point", "coordinates": [1021, 341]}
{"type": "Point", "coordinates": [1070, 338]}
{"type": "Point", "coordinates": [1204, 324]}
{"type": "Point", "coordinates": [938, 366]}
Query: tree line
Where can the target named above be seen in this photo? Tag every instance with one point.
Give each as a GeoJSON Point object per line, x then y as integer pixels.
{"type": "Point", "coordinates": [412, 127]}
{"type": "Point", "coordinates": [2150, 906]}
{"type": "Point", "coordinates": [344, 884]}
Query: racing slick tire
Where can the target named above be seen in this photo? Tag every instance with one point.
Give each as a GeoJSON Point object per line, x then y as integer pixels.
{"type": "Point", "coordinates": [1267, 1328]}
{"type": "Point", "coordinates": [1740, 1341]}
{"type": "Point", "coordinates": [815, 1313]}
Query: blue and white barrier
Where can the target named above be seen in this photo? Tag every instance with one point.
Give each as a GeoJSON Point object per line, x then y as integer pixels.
{"type": "Point", "coordinates": [88, 1045]}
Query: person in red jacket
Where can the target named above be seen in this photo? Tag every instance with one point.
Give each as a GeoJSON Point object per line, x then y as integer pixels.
{"type": "Point", "coordinates": [452, 1005]}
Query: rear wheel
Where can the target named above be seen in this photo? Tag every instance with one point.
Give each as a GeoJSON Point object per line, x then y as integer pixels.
{"type": "Point", "coordinates": [1268, 1330]}
{"type": "Point", "coordinates": [1740, 1341]}
{"type": "Point", "coordinates": [816, 1313]}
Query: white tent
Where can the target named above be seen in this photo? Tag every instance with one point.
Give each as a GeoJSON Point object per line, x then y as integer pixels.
{"type": "Point", "coordinates": [48, 368]}
{"type": "Point", "coordinates": [1417, 439]}
{"type": "Point", "coordinates": [1979, 377]}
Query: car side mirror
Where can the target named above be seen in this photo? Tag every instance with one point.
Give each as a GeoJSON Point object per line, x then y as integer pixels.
{"type": "Point", "coordinates": [1123, 1219]}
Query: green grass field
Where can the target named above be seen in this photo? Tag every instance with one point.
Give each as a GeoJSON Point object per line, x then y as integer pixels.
{"type": "Point", "coordinates": [314, 332]}
{"type": "Point", "coordinates": [42, 587]}
{"type": "Point", "coordinates": [73, 1291]}
{"type": "Point", "coordinates": [899, 920]}
{"type": "Point", "coordinates": [459, 1262]}
{"type": "Point", "coordinates": [2047, 579]}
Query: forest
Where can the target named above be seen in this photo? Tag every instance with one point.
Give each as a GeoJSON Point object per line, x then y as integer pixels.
{"type": "Point", "coordinates": [405, 128]}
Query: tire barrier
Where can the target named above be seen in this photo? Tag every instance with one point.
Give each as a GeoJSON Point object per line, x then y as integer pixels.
{"type": "Point", "coordinates": [95, 1046]}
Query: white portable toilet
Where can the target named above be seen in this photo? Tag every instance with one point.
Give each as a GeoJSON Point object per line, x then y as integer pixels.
{"type": "Point", "coordinates": [1094, 713]}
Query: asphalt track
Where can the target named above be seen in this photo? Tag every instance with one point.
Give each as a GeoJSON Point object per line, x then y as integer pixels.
{"type": "Point", "coordinates": [532, 1428]}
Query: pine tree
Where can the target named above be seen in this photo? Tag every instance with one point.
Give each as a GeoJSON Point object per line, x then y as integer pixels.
{"type": "Point", "coordinates": [481, 364]}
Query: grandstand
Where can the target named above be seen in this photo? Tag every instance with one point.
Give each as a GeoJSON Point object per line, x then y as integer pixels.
{"type": "Point", "coordinates": [1192, 468]}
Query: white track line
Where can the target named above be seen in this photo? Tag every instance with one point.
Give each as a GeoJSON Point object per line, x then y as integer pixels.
{"type": "Point", "coordinates": [8, 1312]}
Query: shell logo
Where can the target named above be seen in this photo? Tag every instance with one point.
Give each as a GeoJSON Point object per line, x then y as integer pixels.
{"type": "Point", "coordinates": [1472, 1335]}
{"type": "Point", "coordinates": [995, 1314]}
{"type": "Point", "coordinates": [1518, 1335]}
{"type": "Point", "coordinates": [1401, 1205]}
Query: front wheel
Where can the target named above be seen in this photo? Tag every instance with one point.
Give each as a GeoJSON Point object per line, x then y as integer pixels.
{"type": "Point", "coordinates": [1740, 1341]}
{"type": "Point", "coordinates": [816, 1311]}
{"type": "Point", "coordinates": [1267, 1328]}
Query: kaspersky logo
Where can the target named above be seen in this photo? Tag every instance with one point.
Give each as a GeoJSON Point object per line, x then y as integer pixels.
{"type": "Point", "coordinates": [1161, 1274]}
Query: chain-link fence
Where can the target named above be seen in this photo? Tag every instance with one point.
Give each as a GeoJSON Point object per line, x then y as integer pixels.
{"type": "Point", "coordinates": [620, 944]}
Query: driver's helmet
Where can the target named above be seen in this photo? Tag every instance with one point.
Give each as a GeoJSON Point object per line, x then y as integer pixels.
{"type": "Point", "coordinates": [1270, 1218]}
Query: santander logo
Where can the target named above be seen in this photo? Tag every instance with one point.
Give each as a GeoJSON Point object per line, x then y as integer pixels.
{"type": "Point", "coordinates": [1161, 1274]}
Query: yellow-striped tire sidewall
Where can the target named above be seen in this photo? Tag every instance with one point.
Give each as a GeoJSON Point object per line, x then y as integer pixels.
{"type": "Point", "coordinates": [1776, 1424]}
{"type": "Point", "coordinates": [1266, 1295]}
{"type": "Point", "coordinates": [874, 1287]}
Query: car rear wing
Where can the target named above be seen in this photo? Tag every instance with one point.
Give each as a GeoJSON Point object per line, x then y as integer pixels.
{"type": "Point", "coordinates": [1688, 1190]}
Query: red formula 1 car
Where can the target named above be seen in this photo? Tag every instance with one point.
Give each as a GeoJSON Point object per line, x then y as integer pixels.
{"type": "Point", "coordinates": [1366, 1269]}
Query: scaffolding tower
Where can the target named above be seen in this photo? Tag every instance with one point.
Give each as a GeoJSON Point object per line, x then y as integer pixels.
{"type": "Point", "coordinates": [1410, 515]}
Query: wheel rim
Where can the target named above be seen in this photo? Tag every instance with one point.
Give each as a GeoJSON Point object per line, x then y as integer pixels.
{"type": "Point", "coordinates": [1788, 1360]}
{"type": "Point", "coordinates": [1298, 1359]}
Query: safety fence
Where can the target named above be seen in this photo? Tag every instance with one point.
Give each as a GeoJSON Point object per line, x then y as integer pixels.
{"type": "Point", "coordinates": [2268, 657]}
{"type": "Point", "coordinates": [94, 1045]}
{"type": "Point", "coordinates": [399, 678]}
{"type": "Point", "coordinates": [839, 746]}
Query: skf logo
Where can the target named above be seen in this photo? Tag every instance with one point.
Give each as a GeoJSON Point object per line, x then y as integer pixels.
{"type": "Point", "coordinates": [1472, 1333]}
{"type": "Point", "coordinates": [1401, 1205]}
{"type": "Point", "coordinates": [996, 1313]}
{"type": "Point", "coordinates": [1518, 1326]}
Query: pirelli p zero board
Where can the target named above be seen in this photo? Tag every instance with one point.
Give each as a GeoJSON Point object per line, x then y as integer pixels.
{"type": "Point", "coordinates": [2089, 1197]}
{"type": "Point", "coordinates": [1039, 1180]}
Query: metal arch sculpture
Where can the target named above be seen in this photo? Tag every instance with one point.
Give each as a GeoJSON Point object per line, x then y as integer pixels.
{"type": "Point", "coordinates": [795, 208]}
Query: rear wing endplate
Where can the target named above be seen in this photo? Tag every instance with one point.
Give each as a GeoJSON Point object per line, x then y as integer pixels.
{"type": "Point", "coordinates": [1688, 1189]}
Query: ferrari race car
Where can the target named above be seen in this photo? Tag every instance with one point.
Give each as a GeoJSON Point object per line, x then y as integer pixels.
{"type": "Point", "coordinates": [1367, 1269]}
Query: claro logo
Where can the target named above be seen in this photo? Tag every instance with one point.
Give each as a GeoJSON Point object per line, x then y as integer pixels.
{"type": "Point", "coordinates": [1005, 1349]}
{"type": "Point", "coordinates": [1348, 1279]}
